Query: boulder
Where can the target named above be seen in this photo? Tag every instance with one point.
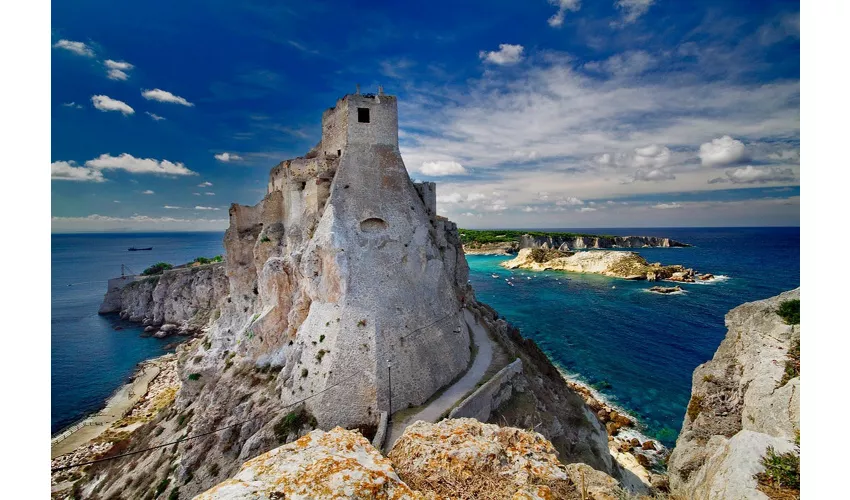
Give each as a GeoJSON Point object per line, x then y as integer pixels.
{"type": "Point", "coordinates": [169, 328]}
{"type": "Point", "coordinates": [150, 328]}
{"type": "Point", "coordinates": [649, 445]}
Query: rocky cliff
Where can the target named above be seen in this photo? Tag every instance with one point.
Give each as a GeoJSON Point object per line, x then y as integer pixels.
{"type": "Point", "coordinates": [745, 400]}
{"type": "Point", "coordinates": [187, 297]}
{"type": "Point", "coordinates": [565, 243]}
{"type": "Point", "coordinates": [614, 263]}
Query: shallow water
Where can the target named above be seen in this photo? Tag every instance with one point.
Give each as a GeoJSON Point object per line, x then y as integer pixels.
{"type": "Point", "coordinates": [640, 348]}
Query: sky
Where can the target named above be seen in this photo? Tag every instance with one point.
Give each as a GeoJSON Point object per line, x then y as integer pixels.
{"type": "Point", "coordinates": [527, 114]}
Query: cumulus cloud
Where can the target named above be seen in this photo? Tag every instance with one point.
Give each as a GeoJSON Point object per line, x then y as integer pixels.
{"type": "Point", "coordinates": [205, 184]}
{"type": "Point", "coordinates": [117, 70]}
{"type": "Point", "coordinates": [147, 191]}
{"type": "Point", "coordinates": [459, 198]}
{"type": "Point", "coordinates": [133, 165]}
{"type": "Point", "coordinates": [69, 171]}
{"type": "Point", "coordinates": [653, 175]}
{"type": "Point", "coordinates": [651, 156]}
{"type": "Point", "coordinates": [722, 151]}
{"type": "Point", "coordinates": [760, 175]}
{"type": "Point", "coordinates": [569, 201]}
{"type": "Point", "coordinates": [226, 157]}
{"type": "Point", "coordinates": [78, 48]}
{"type": "Point", "coordinates": [507, 54]}
{"type": "Point", "coordinates": [155, 117]}
{"type": "Point", "coordinates": [442, 167]}
{"type": "Point", "coordinates": [633, 9]}
{"type": "Point", "coordinates": [198, 207]}
{"type": "Point", "coordinates": [164, 96]}
{"type": "Point", "coordinates": [105, 103]}
{"type": "Point", "coordinates": [557, 19]}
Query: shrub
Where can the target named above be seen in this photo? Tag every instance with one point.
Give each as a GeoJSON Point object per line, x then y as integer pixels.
{"type": "Point", "coordinates": [194, 376]}
{"type": "Point", "coordinates": [157, 268]}
{"type": "Point", "coordinates": [321, 338]}
{"type": "Point", "coordinates": [789, 311]}
{"type": "Point", "coordinates": [304, 373]}
{"type": "Point", "coordinates": [361, 323]}
{"type": "Point", "coordinates": [175, 494]}
{"type": "Point", "coordinates": [292, 422]}
{"type": "Point", "coordinates": [780, 470]}
{"type": "Point", "coordinates": [202, 260]}
{"type": "Point", "coordinates": [792, 363]}
{"type": "Point", "coordinates": [320, 354]}
{"type": "Point", "coordinates": [265, 239]}
{"type": "Point", "coordinates": [160, 488]}
{"type": "Point", "coordinates": [695, 407]}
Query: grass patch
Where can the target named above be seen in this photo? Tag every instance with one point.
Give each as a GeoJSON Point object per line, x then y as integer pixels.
{"type": "Point", "coordinates": [792, 363]}
{"type": "Point", "coordinates": [781, 472]}
{"type": "Point", "coordinates": [157, 268]}
{"type": "Point", "coordinates": [695, 407]}
{"type": "Point", "coordinates": [789, 311]}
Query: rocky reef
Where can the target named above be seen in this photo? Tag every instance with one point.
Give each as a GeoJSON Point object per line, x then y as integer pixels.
{"type": "Point", "coordinates": [614, 263]}
{"type": "Point", "coordinates": [745, 401]}
{"type": "Point", "coordinates": [457, 458]}
{"type": "Point", "coordinates": [507, 242]}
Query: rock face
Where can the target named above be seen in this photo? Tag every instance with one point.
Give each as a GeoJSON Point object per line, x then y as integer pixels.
{"type": "Point", "coordinates": [333, 464]}
{"type": "Point", "coordinates": [587, 242]}
{"type": "Point", "coordinates": [739, 406]}
{"type": "Point", "coordinates": [185, 296]}
{"type": "Point", "coordinates": [614, 263]}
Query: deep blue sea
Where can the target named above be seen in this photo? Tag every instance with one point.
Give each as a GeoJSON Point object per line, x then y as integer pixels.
{"type": "Point", "coordinates": [89, 358]}
{"type": "Point", "coordinates": [638, 348]}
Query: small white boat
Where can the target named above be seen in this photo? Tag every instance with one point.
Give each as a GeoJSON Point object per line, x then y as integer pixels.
{"type": "Point", "coordinates": [509, 283]}
{"type": "Point", "coordinates": [494, 276]}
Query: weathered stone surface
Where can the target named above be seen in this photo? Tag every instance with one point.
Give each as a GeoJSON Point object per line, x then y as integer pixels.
{"type": "Point", "coordinates": [335, 464]}
{"type": "Point", "coordinates": [467, 459]}
{"type": "Point", "coordinates": [737, 393]}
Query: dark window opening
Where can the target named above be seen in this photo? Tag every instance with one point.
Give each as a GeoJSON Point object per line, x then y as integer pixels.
{"type": "Point", "coordinates": [363, 115]}
{"type": "Point", "coordinates": [339, 152]}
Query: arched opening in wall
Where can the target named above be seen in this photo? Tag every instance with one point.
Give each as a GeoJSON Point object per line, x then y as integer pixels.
{"type": "Point", "coordinates": [373, 224]}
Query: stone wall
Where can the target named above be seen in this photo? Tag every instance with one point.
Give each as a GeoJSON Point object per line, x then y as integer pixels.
{"type": "Point", "coordinates": [490, 396]}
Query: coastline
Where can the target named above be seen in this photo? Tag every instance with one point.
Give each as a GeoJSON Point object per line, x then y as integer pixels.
{"type": "Point", "coordinates": [153, 385]}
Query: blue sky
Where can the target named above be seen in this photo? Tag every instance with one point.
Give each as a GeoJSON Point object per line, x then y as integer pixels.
{"type": "Point", "coordinates": [533, 113]}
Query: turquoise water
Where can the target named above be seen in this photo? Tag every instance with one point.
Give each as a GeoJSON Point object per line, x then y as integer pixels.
{"type": "Point", "coordinates": [639, 348]}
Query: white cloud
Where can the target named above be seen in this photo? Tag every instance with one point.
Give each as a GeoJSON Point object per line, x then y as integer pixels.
{"type": "Point", "coordinates": [205, 184]}
{"type": "Point", "coordinates": [155, 117]}
{"type": "Point", "coordinates": [78, 48]}
{"type": "Point", "coordinates": [625, 64]}
{"type": "Point", "coordinates": [459, 198]}
{"type": "Point", "coordinates": [667, 206]}
{"type": "Point", "coordinates": [653, 175]}
{"type": "Point", "coordinates": [171, 207]}
{"type": "Point", "coordinates": [205, 208]}
{"type": "Point", "coordinates": [117, 70]}
{"type": "Point", "coordinates": [788, 155]}
{"type": "Point", "coordinates": [72, 104]}
{"type": "Point", "coordinates": [99, 223]}
{"type": "Point", "coordinates": [147, 191]}
{"type": "Point", "coordinates": [105, 103]}
{"type": "Point", "coordinates": [760, 175]}
{"type": "Point", "coordinates": [569, 201]}
{"type": "Point", "coordinates": [135, 165]}
{"type": "Point", "coordinates": [722, 151]}
{"type": "Point", "coordinates": [164, 96]}
{"type": "Point", "coordinates": [633, 9]}
{"type": "Point", "coordinates": [208, 193]}
{"type": "Point", "coordinates": [225, 157]}
{"type": "Point", "coordinates": [69, 171]}
{"type": "Point", "coordinates": [587, 209]}
{"type": "Point", "coordinates": [117, 74]}
{"type": "Point", "coordinates": [507, 54]}
{"type": "Point", "coordinates": [442, 167]}
{"type": "Point", "coordinates": [557, 20]}
{"type": "Point", "coordinates": [197, 194]}
{"type": "Point", "coordinates": [651, 156]}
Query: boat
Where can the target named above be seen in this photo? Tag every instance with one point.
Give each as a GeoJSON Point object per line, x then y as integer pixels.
{"type": "Point", "coordinates": [134, 249]}
{"type": "Point", "coordinates": [494, 276]}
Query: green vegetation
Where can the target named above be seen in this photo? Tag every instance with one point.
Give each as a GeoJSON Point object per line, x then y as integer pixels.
{"type": "Point", "coordinates": [695, 407]}
{"type": "Point", "coordinates": [792, 363]}
{"type": "Point", "coordinates": [207, 260]}
{"type": "Point", "coordinates": [175, 494]}
{"type": "Point", "coordinates": [157, 268]}
{"type": "Point", "coordinates": [508, 235]}
{"type": "Point", "coordinates": [361, 323]}
{"type": "Point", "coordinates": [789, 311]}
{"type": "Point", "coordinates": [304, 373]}
{"type": "Point", "coordinates": [194, 376]}
{"type": "Point", "coordinates": [320, 355]}
{"type": "Point", "coordinates": [265, 239]}
{"type": "Point", "coordinates": [160, 488]}
{"type": "Point", "coordinates": [293, 422]}
{"type": "Point", "coordinates": [321, 338]}
{"type": "Point", "coordinates": [781, 471]}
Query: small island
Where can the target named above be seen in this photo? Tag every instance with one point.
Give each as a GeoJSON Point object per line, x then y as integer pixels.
{"type": "Point", "coordinates": [614, 263]}
{"type": "Point", "coordinates": [510, 241]}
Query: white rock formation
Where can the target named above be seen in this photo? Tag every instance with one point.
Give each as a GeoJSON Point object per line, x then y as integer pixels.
{"type": "Point", "coordinates": [739, 406]}
{"type": "Point", "coordinates": [614, 263]}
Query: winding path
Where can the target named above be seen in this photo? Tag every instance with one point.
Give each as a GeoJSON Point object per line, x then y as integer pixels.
{"type": "Point", "coordinates": [452, 395]}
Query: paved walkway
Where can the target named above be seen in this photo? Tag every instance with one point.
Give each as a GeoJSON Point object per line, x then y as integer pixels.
{"type": "Point", "coordinates": [453, 394]}
{"type": "Point", "coordinates": [116, 407]}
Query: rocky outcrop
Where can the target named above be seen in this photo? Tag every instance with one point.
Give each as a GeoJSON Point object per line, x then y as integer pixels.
{"type": "Point", "coordinates": [614, 263]}
{"type": "Point", "coordinates": [741, 403]}
{"type": "Point", "coordinates": [463, 458]}
{"type": "Point", "coordinates": [186, 297]}
{"type": "Point", "coordinates": [333, 464]}
{"type": "Point", "coordinates": [566, 243]}
{"type": "Point", "coordinates": [501, 248]}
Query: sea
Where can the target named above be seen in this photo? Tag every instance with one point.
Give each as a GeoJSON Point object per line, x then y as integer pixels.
{"type": "Point", "coordinates": [636, 348]}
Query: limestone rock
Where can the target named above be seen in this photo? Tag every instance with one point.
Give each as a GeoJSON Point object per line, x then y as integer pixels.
{"type": "Point", "coordinates": [335, 464]}
{"type": "Point", "coordinates": [618, 264]}
{"type": "Point", "coordinates": [738, 404]}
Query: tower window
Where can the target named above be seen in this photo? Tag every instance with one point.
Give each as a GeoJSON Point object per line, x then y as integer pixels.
{"type": "Point", "coordinates": [363, 115]}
